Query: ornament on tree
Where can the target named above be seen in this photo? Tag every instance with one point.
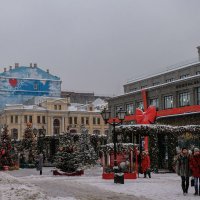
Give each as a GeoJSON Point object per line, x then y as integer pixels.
{"type": "Point", "coordinates": [7, 153]}
{"type": "Point", "coordinates": [75, 152]}
{"type": "Point", "coordinates": [28, 147]}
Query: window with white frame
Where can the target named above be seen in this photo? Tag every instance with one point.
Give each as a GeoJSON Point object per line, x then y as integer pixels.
{"type": "Point", "coordinates": [168, 102]}
{"type": "Point", "coordinates": [184, 99]}
{"type": "Point", "coordinates": [154, 102]}
{"type": "Point", "coordinates": [117, 109]}
{"type": "Point", "coordinates": [184, 76]}
{"type": "Point", "coordinates": [169, 80]}
{"type": "Point", "coordinates": [198, 72]}
{"type": "Point", "coordinates": [129, 109]}
{"type": "Point", "coordinates": [140, 105]}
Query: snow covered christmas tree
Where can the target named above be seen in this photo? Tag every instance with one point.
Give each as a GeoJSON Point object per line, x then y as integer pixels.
{"type": "Point", "coordinates": [28, 147]}
{"type": "Point", "coordinates": [75, 152]}
{"type": "Point", "coordinates": [7, 157]}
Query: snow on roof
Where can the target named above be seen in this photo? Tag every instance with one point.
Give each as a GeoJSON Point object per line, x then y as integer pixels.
{"type": "Point", "coordinates": [159, 85]}
{"type": "Point", "coordinates": [24, 107]}
{"type": "Point", "coordinates": [98, 102]}
{"type": "Point", "coordinates": [40, 99]}
{"type": "Point", "coordinates": [163, 72]}
{"type": "Point", "coordinates": [149, 129]}
{"type": "Point", "coordinates": [72, 108]}
{"type": "Point", "coordinates": [98, 105]}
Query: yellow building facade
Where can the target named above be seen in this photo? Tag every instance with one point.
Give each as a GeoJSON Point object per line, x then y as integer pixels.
{"type": "Point", "coordinates": [55, 115]}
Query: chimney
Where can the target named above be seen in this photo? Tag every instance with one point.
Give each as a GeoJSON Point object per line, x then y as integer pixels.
{"type": "Point", "coordinates": [4, 69]}
{"type": "Point", "coordinates": [10, 67]}
{"type": "Point", "coordinates": [48, 71]}
{"type": "Point", "coordinates": [198, 48]}
{"type": "Point", "coordinates": [31, 65]}
{"type": "Point", "coordinates": [35, 65]}
{"type": "Point", "coordinates": [16, 65]}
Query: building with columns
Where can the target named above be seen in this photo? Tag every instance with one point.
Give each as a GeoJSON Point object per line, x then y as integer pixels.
{"type": "Point", "coordinates": [55, 115]}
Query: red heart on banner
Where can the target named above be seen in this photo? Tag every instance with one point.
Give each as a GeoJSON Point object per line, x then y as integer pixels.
{"type": "Point", "coordinates": [13, 82]}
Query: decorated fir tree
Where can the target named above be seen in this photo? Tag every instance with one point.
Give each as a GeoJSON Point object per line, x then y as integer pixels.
{"type": "Point", "coordinates": [87, 152]}
{"type": "Point", "coordinates": [7, 157]}
{"type": "Point", "coordinates": [28, 148]}
{"type": "Point", "coordinates": [75, 152]}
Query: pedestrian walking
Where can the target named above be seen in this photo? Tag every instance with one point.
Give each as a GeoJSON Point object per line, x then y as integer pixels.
{"type": "Point", "coordinates": [183, 169]}
{"type": "Point", "coordinates": [145, 164]}
{"type": "Point", "coordinates": [40, 163]}
{"type": "Point", "coordinates": [195, 167]}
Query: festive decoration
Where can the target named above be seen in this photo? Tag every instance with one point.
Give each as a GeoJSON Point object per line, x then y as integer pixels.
{"type": "Point", "coordinates": [98, 140]}
{"type": "Point", "coordinates": [147, 117]}
{"type": "Point", "coordinates": [13, 82]}
{"type": "Point", "coordinates": [154, 152]}
{"type": "Point", "coordinates": [171, 133]}
{"type": "Point", "coordinates": [7, 153]}
{"type": "Point", "coordinates": [28, 147]}
{"type": "Point", "coordinates": [147, 130]}
{"type": "Point", "coordinates": [126, 160]}
{"type": "Point", "coordinates": [75, 152]}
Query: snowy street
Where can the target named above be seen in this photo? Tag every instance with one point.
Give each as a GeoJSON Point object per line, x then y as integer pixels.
{"type": "Point", "coordinates": [27, 184]}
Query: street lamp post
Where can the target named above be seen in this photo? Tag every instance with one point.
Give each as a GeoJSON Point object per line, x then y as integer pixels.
{"type": "Point", "coordinates": [106, 115]}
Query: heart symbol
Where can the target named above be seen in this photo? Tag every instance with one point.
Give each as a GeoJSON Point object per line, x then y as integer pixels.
{"type": "Point", "coordinates": [13, 82]}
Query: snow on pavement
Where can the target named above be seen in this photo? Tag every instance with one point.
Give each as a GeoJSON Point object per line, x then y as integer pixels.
{"type": "Point", "coordinates": [13, 189]}
{"type": "Point", "coordinates": [159, 187]}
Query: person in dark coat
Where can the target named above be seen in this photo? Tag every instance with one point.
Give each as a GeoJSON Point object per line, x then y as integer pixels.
{"type": "Point", "coordinates": [145, 164]}
{"type": "Point", "coordinates": [40, 163]}
{"type": "Point", "coordinates": [183, 169]}
{"type": "Point", "coordinates": [195, 167]}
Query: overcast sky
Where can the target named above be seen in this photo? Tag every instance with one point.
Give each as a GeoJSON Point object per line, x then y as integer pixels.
{"type": "Point", "coordinates": [97, 45]}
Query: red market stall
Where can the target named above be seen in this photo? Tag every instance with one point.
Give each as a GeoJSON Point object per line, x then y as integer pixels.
{"type": "Point", "coordinates": [126, 160]}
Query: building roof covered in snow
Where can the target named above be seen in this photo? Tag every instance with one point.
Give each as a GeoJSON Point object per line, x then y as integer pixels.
{"type": "Point", "coordinates": [95, 106]}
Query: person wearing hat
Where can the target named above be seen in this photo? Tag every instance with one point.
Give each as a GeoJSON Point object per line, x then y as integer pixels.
{"type": "Point", "coordinates": [195, 167]}
{"type": "Point", "coordinates": [183, 169]}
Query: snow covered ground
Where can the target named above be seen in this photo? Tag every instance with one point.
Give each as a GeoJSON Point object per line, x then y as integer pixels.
{"type": "Point", "coordinates": [91, 186]}
{"type": "Point", "coordinates": [12, 188]}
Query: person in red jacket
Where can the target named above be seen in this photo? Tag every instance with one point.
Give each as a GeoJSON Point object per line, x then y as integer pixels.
{"type": "Point", "coordinates": [195, 167]}
{"type": "Point", "coordinates": [145, 164]}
